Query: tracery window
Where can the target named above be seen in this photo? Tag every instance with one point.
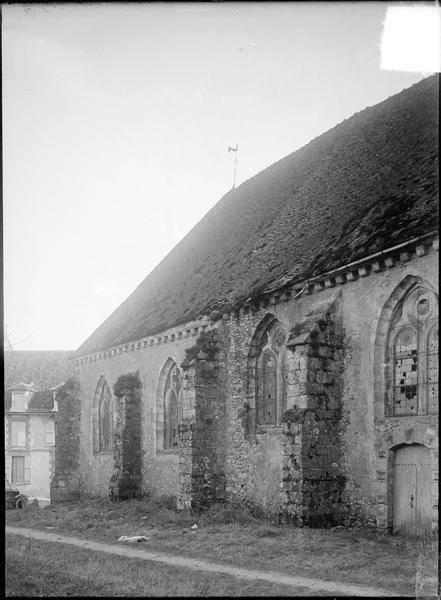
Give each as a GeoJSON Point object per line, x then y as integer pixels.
{"type": "Point", "coordinates": [412, 355]}
{"type": "Point", "coordinates": [103, 417]}
{"type": "Point", "coordinates": [169, 407]}
{"type": "Point", "coordinates": [270, 376]}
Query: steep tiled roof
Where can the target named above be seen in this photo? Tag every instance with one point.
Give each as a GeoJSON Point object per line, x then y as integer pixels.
{"type": "Point", "coordinates": [367, 184]}
{"type": "Point", "coordinates": [40, 401]}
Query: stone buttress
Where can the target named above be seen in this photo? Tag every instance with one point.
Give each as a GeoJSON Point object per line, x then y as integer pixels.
{"type": "Point", "coordinates": [312, 479]}
{"type": "Point", "coordinates": [202, 440]}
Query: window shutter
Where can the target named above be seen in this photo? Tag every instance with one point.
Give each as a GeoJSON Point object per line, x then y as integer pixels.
{"type": "Point", "coordinates": [27, 468]}
{"type": "Point", "coordinates": [50, 433]}
{"type": "Point", "coordinates": [17, 469]}
{"type": "Point", "coordinates": [8, 468]}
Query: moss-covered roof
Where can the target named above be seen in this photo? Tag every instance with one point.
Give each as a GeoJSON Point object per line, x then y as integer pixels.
{"type": "Point", "coordinates": [368, 184]}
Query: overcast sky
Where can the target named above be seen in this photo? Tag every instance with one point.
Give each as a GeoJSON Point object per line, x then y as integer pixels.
{"type": "Point", "coordinates": [116, 122]}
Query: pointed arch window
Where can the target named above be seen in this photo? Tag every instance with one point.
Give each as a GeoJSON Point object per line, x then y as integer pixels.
{"type": "Point", "coordinates": [270, 385]}
{"type": "Point", "coordinates": [102, 417]}
{"type": "Point", "coordinates": [169, 407]}
{"type": "Point", "coordinates": [412, 356]}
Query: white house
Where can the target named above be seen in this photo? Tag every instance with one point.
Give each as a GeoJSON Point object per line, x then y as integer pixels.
{"type": "Point", "coordinates": [30, 440]}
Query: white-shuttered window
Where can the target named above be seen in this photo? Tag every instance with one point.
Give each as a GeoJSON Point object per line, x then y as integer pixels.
{"type": "Point", "coordinates": [17, 469]}
{"type": "Point", "coordinates": [50, 433]}
{"type": "Point", "coordinates": [18, 434]}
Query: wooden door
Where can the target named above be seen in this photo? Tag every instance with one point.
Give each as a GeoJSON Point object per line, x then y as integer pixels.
{"type": "Point", "coordinates": [412, 490]}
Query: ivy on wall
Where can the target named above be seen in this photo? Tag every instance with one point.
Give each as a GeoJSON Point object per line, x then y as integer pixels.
{"type": "Point", "coordinates": [205, 348]}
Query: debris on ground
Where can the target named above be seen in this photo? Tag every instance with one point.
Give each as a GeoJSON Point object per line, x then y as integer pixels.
{"type": "Point", "coordinates": [133, 538]}
{"type": "Point", "coordinates": [191, 529]}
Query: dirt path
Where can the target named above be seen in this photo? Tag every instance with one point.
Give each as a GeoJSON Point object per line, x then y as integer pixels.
{"type": "Point", "coordinates": [319, 587]}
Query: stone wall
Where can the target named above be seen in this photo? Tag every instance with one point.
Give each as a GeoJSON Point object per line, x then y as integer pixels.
{"type": "Point", "coordinates": [160, 469]}
{"type": "Point", "coordinates": [328, 465]}
{"type": "Point", "coordinates": [65, 485]}
{"type": "Point", "coordinates": [253, 457]}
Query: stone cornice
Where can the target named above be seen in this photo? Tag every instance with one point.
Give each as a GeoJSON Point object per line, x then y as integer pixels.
{"type": "Point", "coordinates": [380, 261]}
{"type": "Point", "coordinates": [374, 263]}
{"type": "Point", "coordinates": [186, 330]}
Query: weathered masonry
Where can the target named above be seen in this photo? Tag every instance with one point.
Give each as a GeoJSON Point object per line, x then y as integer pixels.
{"type": "Point", "coordinates": [285, 354]}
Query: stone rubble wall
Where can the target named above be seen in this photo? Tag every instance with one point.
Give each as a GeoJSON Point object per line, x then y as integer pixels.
{"type": "Point", "coordinates": [126, 480]}
{"type": "Point", "coordinates": [313, 481]}
{"type": "Point", "coordinates": [329, 462]}
{"type": "Point", "coordinates": [66, 484]}
{"type": "Point", "coordinates": [202, 474]}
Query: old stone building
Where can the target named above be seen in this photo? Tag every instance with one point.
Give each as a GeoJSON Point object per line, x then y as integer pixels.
{"type": "Point", "coordinates": [284, 354]}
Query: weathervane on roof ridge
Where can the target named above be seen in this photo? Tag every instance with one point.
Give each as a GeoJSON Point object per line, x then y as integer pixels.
{"type": "Point", "coordinates": [231, 149]}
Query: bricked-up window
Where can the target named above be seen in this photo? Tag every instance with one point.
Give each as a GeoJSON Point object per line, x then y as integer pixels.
{"type": "Point", "coordinates": [269, 377]}
{"type": "Point", "coordinates": [172, 408]}
{"type": "Point", "coordinates": [412, 356]}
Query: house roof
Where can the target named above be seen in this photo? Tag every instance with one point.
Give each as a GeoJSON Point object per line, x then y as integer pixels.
{"type": "Point", "coordinates": [40, 400]}
{"type": "Point", "coordinates": [367, 184]}
{"type": "Point", "coordinates": [26, 387]}
{"type": "Point", "coordinates": [45, 369]}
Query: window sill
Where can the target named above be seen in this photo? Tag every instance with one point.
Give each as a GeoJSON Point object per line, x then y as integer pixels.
{"type": "Point", "coordinates": [267, 428]}
{"type": "Point", "coordinates": [412, 416]}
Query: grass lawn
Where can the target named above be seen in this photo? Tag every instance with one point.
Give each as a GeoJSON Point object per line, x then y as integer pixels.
{"type": "Point", "coordinates": [35, 568]}
{"type": "Point", "coordinates": [233, 536]}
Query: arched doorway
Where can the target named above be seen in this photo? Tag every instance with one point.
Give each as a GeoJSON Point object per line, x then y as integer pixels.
{"type": "Point", "coordinates": [412, 508]}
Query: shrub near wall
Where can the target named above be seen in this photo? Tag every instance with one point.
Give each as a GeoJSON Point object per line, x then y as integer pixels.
{"type": "Point", "coordinates": [127, 478]}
